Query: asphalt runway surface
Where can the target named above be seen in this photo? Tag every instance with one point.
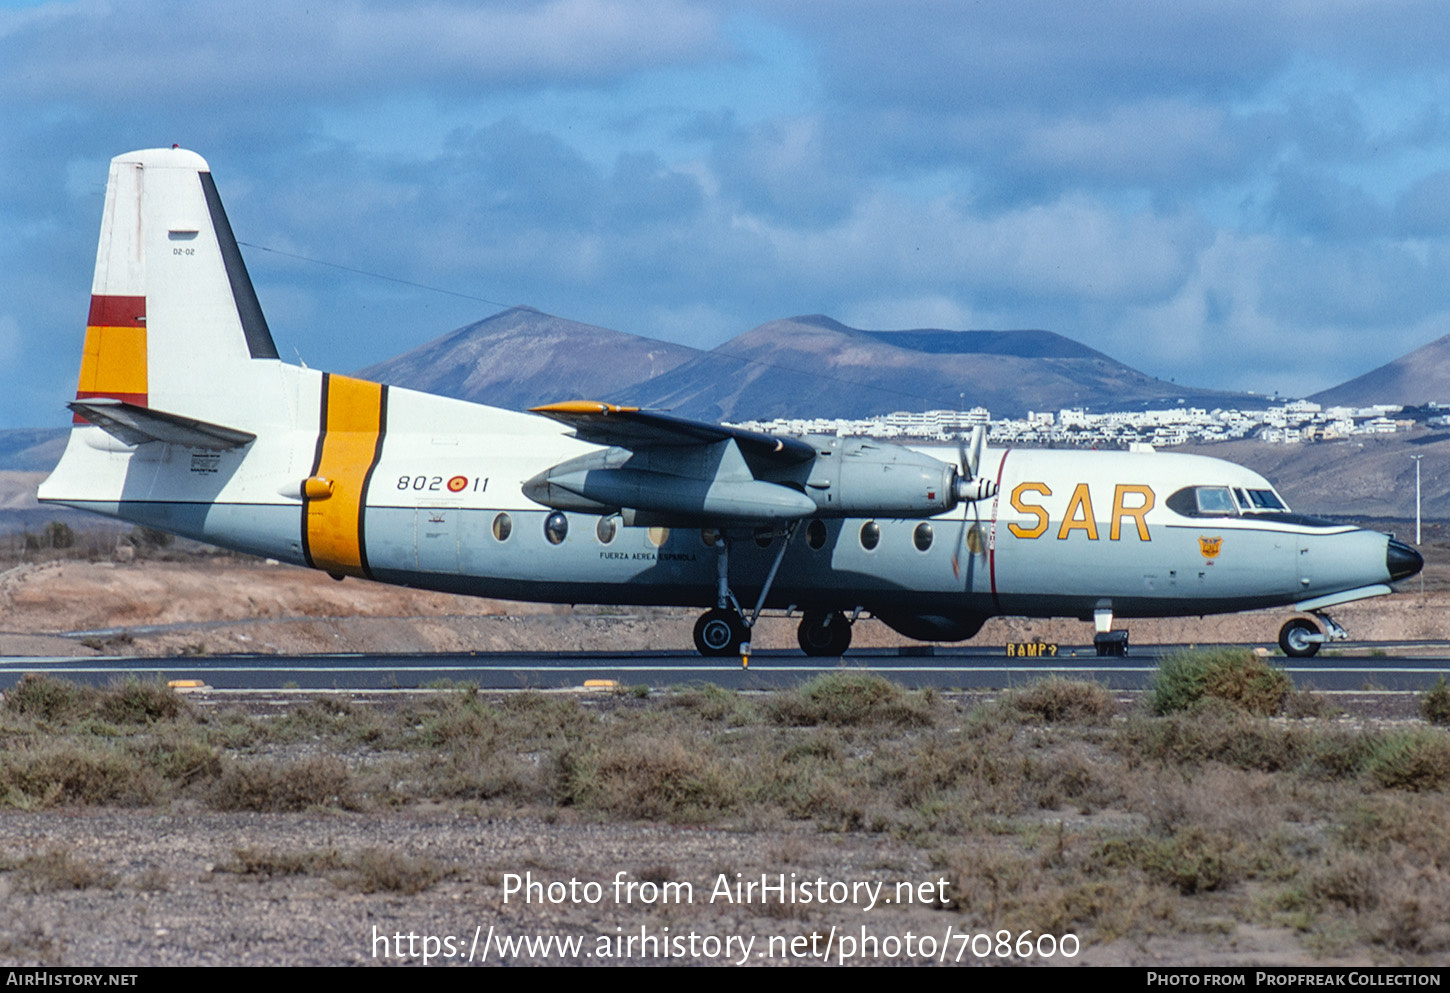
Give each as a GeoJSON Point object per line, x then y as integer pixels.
{"type": "Point", "coordinates": [1348, 667]}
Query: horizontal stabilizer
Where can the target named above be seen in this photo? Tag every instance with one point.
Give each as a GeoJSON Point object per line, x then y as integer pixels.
{"type": "Point", "coordinates": [135, 425]}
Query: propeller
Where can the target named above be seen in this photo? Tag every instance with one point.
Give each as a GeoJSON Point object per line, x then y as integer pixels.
{"type": "Point", "coordinates": [969, 485]}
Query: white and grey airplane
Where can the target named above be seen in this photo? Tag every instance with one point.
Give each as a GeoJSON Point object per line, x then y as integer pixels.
{"type": "Point", "coordinates": [186, 420]}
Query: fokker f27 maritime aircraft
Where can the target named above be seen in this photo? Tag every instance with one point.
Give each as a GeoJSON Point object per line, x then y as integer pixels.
{"type": "Point", "coordinates": [186, 420]}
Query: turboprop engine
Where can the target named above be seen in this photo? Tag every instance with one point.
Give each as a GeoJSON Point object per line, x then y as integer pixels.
{"type": "Point", "coordinates": [721, 482]}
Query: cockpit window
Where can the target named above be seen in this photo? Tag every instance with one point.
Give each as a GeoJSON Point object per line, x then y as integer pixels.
{"type": "Point", "coordinates": [1203, 501]}
{"type": "Point", "coordinates": [1221, 501]}
{"type": "Point", "coordinates": [1265, 500]}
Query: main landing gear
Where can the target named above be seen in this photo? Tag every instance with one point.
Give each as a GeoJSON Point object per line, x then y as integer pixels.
{"type": "Point", "coordinates": [1300, 637]}
{"type": "Point", "coordinates": [721, 632]}
{"type": "Point", "coordinates": [725, 629]}
{"type": "Point", "coordinates": [824, 633]}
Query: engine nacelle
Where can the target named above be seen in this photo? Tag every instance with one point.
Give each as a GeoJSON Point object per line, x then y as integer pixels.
{"type": "Point", "coordinates": [717, 484]}
{"type": "Point", "coordinates": [860, 477]}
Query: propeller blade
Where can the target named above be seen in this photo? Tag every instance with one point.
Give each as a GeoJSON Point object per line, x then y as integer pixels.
{"type": "Point", "coordinates": [973, 460]}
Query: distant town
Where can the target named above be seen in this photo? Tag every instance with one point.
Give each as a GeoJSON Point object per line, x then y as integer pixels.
{"type": "Point", "coordinates": [1293, 422]}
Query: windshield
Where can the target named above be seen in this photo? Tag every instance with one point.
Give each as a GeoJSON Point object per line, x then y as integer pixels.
{"type": "Point", "coordinates": [1225, 501]}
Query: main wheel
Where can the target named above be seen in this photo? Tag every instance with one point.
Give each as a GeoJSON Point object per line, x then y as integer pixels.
{"type": "Point", "coordinates": [824, 633]}
{"type": "Point", "coordinates": [720, 632]}
{"type": "Point", "coordinates": [1294, 638]}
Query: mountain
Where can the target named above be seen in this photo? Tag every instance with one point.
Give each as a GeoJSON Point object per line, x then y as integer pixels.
{"type": "Point", "coordinates": [521, 358]}
{"type": "Point", "coordinates": [32, 449]}
{"type": "Point", "coordinates": [817, 367]}
{"type": "Point", "coordinates": [1411, 380]}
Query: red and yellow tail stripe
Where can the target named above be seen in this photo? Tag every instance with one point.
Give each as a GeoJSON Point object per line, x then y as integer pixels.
{"type": "Point", "coordinates": [349, 443]}
{"type": "Point", "coordinates": [114, 361]}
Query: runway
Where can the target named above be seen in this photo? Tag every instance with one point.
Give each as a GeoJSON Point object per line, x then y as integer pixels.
{"type": "Point", "coordinates": [1354, 667]}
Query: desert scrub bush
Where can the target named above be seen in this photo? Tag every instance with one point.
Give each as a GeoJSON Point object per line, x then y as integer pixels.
{"type": "Point", "coordinates": [540, 720]}
{"type": "Point", "coordinates": [271, 786]}
{"type": "Point", "coordinates": [137, 702]}
{"type": "Point", "coordinates": [1192, 859]}
{"type": "Point", "coordinates": [41, 698]}
{"type": "Point", "coordinates": [58, 870]}
{"type": "Point", "coordinates": [468, 771]}
{"type": "Point", "coordinates": [1435, 703]}
{"type": "Point", "coordinates": [57, 701]}
{"type": "Point", "coordinates": [177, 756]}
{"type": "Point", "coordinates": [1063, 700]}
{"type": "Point", "coordinates": [849, 698]}
{"type": "Point", "coordinates": [54, 773]}
{"type": "Point", "coordinates": [1022, 892]}
{"type": "Point", "coordinates": [716, 704]}
{"type": "Point", "coordinates": [1387, 821]}
{"type": "Point", "coordinates": [271, 862]}
{"type": "Point", "coordinates": [380, 870]}
{"type": "Point", "coordinates": [646, 779]}
{"type": "Point", "coordinates": [1236, 676]}
{"type": "Point", "coordinates": [1417, 760]}
{"type": "Point", "coordinates": [1211, 733]}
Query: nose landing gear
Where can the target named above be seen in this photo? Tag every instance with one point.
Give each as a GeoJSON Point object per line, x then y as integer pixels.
{"type": "Point", "coordinates": [1300, 637]}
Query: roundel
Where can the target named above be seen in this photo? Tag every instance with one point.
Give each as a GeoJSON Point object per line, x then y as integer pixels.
{"type": "Point", "coordinates": [457, 483]}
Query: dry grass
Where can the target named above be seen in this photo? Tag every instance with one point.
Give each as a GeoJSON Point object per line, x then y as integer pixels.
{"type": "Point", "coordinates": [1047, 809]}
{"type": "Point", "coordinates": [56, 870]}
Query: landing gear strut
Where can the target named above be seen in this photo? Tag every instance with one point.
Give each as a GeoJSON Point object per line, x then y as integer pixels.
{"type": "Point", "coordinates": [1300, 637]}
{"type": "Point", "coordinates": [1107, 641]}
{"type": "Point", "coordinates": [725, 630]}
{"type": "Point", "coordinates": [823, 632]}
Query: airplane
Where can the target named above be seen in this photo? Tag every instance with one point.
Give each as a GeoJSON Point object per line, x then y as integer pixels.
{"type": "Point", "coordinates": [185, 419]}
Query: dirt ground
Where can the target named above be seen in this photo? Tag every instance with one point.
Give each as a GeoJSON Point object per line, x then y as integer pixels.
{"type": "Point", "coordinates": [214, 604]}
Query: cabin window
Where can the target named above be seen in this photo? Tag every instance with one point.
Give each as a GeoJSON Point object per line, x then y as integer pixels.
{"type": "Point", "coordinates": [556, 528]}
{"type": "Point", "coordinates": [816, 534]}
{"type": "Point", "coordinates": [658, 536]}
{"type": "Point", "coordinates": [870, 535]}
{"type": "Point", "coordinates": [605, 529]}
{"type": "Point", "coordinates": [922, 536]}
{"type": "Point", "coordinates": [710, 537]}
{"type": "Point", "coordinates": [503, 526]}
{"type": "Point", "coordinates": [764, 536]}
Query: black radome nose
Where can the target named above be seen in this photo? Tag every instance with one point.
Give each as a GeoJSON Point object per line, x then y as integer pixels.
{"type": "Point", "coordinates": [1402, 560]}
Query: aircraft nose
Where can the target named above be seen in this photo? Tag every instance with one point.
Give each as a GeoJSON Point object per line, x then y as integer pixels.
{"type": "Point", "coordinates": [1402, 560]}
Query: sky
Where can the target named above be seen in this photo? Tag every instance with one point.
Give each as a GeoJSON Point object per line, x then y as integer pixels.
{"type": "Point", "coordinates": [1250, 196]}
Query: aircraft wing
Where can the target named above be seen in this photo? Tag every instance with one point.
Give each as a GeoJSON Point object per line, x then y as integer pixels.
{"type": "Point", "coordinates": [674, 470]}
{"type": "Point", "coordinates": [632, 428]}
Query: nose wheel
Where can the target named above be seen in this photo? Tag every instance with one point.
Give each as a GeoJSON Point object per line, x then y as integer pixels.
{"type": "Point", "coordinates": [1301, 637]}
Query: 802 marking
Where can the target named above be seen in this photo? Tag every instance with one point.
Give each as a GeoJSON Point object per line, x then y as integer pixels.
{"type": "Point", "coordinates": [438, 484]}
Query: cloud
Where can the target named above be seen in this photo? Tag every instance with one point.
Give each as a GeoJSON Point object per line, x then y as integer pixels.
{"type": "Point", "coordinates": [190, 55]}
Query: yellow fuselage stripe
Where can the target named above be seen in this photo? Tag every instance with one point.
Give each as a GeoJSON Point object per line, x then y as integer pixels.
{"type": "Point", "coordinates": [351, 426]}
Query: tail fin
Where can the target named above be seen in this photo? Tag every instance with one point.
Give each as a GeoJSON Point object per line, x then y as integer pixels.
{"type": "Point", "coordinates": [173, 314]}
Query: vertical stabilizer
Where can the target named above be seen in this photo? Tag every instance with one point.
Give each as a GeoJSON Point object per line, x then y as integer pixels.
{"type": "Point", "coordinates": [173, 314]}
